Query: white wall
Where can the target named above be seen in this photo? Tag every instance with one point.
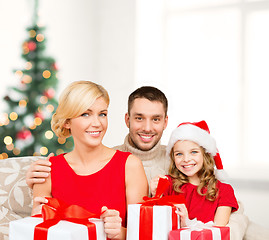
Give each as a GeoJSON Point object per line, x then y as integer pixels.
{"type": "Point", "coordinates": [94, 40]}
{"type": "Point", "coordinates": [114, 59]}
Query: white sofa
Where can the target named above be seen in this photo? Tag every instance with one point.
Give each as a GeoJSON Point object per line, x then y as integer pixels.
{"type": "Point", "coordinates": [15, 195]}
{"type": "Point", "coordinates": [16, 200]}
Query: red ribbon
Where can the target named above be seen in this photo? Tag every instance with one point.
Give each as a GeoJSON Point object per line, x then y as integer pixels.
{"type": "Point", "coordinates": [146, 209]}
{"type": "Point", "coordinates": [56, 210]}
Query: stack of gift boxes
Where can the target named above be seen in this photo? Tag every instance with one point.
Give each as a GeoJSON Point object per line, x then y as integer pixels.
{"type": "Point", "coordinates": [153, 219]}
{"type": "Point", "coordinates": [158, 223]}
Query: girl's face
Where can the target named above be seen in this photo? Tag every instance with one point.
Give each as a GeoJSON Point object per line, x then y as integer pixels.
{"type": "Point", "coordinates": [90, 127]}
{"type": "Point", "coordinates": [188, 158]}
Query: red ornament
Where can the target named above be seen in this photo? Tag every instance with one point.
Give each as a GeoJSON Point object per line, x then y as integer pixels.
{"type": "Point", "coordinates": [31, 46]}
{"type": "Point", "coordinates": [49, 93]}
{"type": "Point", "coordinates": [24, 134]}
{"type": "Point", "coordinates": [55, 66]}
{"type": "Point", "coordinates": [39, 115]}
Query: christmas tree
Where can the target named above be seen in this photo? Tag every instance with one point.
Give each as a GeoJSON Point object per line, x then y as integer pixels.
{"type": "Point", "coordinates": [25, 128]}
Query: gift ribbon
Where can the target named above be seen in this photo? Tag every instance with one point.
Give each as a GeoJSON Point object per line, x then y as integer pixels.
{"type": "Point", "coordinates": [56, 210]}
{"type": "Point", "coordinates": [194, 226]}
{"type": "Point", "coordinates": [146, 209]}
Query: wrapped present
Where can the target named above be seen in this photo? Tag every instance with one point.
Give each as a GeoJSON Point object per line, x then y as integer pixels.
{"type": "Point", "coordinates": [24, 229]}
{"type": "Point", "coordinates": [58, 221]}
{"type": "Point", "coordinates": [155, 217]}
{"type": "Point", "coordinates": [200, 231]}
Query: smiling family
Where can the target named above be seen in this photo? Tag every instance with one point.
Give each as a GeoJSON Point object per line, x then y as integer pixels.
{"type": "Point", "coordinates": [106, 180]}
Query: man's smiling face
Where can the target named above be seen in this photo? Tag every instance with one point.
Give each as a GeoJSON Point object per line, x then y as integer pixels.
{"type": "Point", "coordinates": [146, 123]}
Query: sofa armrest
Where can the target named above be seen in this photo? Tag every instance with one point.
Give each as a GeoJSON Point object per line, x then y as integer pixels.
{"type": "Point", "coordinates": [15, 195]}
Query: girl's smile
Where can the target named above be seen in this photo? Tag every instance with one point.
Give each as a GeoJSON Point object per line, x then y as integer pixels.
{"type": "Point", "coordinates": [188, 158]}
{"type": "Point", "coordinates": [188, 165]}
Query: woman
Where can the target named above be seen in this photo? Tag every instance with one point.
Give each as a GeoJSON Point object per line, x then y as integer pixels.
{"type": "Point", "coordinates": [92, 175]}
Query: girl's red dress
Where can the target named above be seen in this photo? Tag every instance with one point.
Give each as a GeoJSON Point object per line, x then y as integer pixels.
{"type": "Point", "coordinates": [201, 208]}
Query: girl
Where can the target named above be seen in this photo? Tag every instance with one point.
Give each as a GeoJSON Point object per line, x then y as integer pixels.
{"type": "Point", "coordinates": [92, 175]}
{"type": "Point", "coordinates": [193, 154]}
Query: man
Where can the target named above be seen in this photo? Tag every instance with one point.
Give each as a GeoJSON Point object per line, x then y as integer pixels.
{"type": "Point", "coordinates": [147, 119]}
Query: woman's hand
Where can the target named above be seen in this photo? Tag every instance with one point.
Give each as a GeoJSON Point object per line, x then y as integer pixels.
{"type": "Point", "coordinates": [112, 224]}
{"type": "Point", "coordinates": [183, 213]}
{"type": "Point", "coordinates": [38, 203]}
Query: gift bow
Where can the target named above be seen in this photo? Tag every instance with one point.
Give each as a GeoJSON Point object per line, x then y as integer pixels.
{"type": "Point", "coordinates": [163, 200]}
{"type": "Point", "coordinates": [56, 210]}
{"type": "Point", "coordinates": [196, 225]}
{"type": "Point", "coordinates": [146, 209]}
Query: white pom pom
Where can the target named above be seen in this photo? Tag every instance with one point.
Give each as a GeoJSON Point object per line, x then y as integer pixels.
{"type": "Point", "coordinates": [221, 175]}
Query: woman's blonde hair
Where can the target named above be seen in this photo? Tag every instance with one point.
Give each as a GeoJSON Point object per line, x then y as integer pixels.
{"type": "Point", "coordinates": [74, 101]}
{"type": "Point", "coordinates": [207, 186]}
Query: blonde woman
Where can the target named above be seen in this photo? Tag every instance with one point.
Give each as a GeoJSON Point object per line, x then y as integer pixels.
{"type": "Point", "coordinates": [92, 175]}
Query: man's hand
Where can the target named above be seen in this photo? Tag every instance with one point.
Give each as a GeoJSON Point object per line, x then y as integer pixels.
{"type": "Point", "coordinates": [154, 184]}
{"type": "Point", "coordinates": [38, 171]}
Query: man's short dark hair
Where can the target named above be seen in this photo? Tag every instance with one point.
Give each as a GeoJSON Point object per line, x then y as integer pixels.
{"type": "Point", "coordinates": [150, 93]}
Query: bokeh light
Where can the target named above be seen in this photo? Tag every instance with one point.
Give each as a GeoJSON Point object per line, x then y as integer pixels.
{"type": "Point", "coordinates": [49, 134]}
{"type": "Point", "coordinates": [13, 116]}
{"type": "Point", "coordinates": [46, 74]}
{"type": "Point", "coordinates": [8, 140]}
{"type": "Point", "coordinates": [43, 150]}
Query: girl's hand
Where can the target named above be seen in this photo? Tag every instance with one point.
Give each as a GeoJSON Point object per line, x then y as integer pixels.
{"type": "Point", "coordinates": [183, 213]}
{"type": "Point", "coordinates": [154, 183]}
{"type": "Point", "coordinates": [39, 202]}
{"type": "Point", "coordinates": [112, 224]}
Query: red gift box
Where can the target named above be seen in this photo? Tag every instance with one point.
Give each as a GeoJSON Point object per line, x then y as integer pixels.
{"type": "Point", "coordinates": [198, 233]}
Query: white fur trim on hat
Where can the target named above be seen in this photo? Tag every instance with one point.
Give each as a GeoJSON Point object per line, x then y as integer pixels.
{"type": "Point", "coordinates": [195, 134]}
{"type": "Point", "coordinates": [221, 175]}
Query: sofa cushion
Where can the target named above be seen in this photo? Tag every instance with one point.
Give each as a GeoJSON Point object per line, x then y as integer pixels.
{"type": "Point", "coordinates": [15, 195]}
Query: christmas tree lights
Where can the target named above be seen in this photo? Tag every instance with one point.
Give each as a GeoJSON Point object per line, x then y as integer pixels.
{"type": "Point", "coordinates": [25, 127]}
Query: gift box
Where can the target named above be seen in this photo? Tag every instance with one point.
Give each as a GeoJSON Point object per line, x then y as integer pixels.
{"type": "Point", "coordinates": [23, 229]}
{"type": "Point", "coordinates": [150, 222]}
{"type": "Point", "coordinates": [59, 221]}
{"type": "Point", "coordinates": [201, 232]}
{"type": "Point", "coordinates": [154, 218]}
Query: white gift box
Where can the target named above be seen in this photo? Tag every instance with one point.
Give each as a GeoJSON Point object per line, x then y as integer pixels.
{"type": "Point", "coordinates": [23, 229]}
{"type": "Point", "coordinates": [161, 222]}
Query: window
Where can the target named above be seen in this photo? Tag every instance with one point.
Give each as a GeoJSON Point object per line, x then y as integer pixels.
{"type": "Point", "coordinates": [210, 57]}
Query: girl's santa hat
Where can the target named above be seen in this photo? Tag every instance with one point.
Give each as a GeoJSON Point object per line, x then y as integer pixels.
{"type": "Point", "coordinates": [199, 133]}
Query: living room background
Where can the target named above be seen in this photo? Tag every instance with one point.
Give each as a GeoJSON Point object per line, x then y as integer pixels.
{"type": "Point", "coordinates": [209, 58]}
